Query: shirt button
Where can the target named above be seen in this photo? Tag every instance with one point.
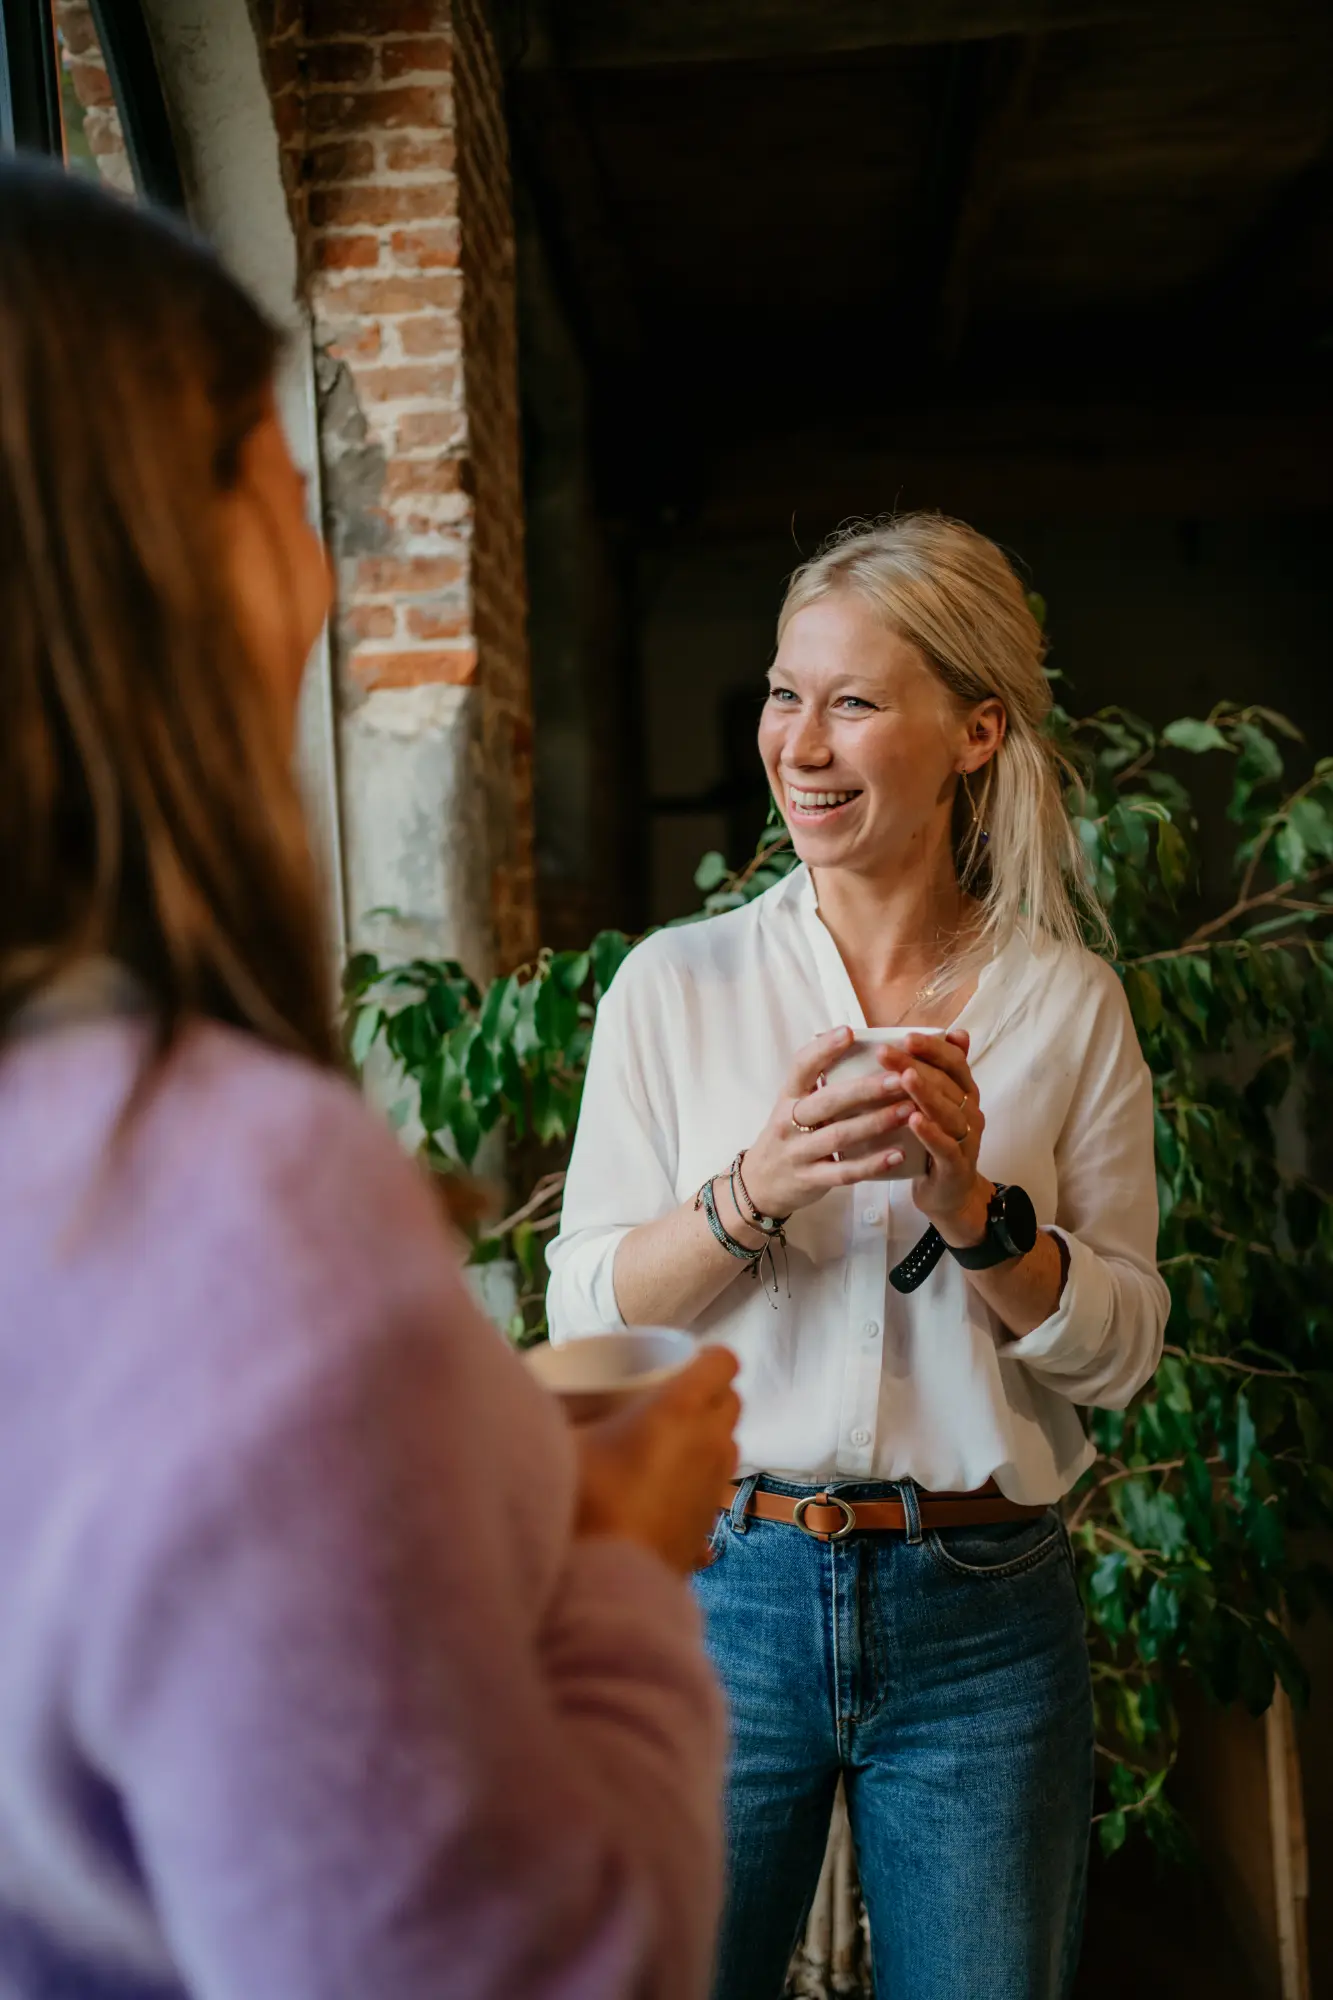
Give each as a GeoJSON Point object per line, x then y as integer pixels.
{"type": "Point", "coordinates": [860, 1437]}
{"type": "Point", "coordinates": [870, 1216]}
{"type": "Point", "coordinates": [870, 1329]}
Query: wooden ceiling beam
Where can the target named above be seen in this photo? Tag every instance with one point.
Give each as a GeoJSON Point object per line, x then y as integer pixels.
{"type": "Point", "coordinates": [632, 34]}
{"type": "Point", "coordinates": [998, 116]}
{"type": "Point", "coordinates": [1027, 460]}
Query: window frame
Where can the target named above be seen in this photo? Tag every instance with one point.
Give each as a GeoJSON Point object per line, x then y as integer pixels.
{"type": "Point", "coordinates": [30, 116]}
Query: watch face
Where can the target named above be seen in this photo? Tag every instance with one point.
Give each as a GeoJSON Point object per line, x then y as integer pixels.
{"type": "Point", "coordinates": [1015, 1220]}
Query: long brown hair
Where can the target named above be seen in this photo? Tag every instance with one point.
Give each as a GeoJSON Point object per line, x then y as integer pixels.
{"type": "Point", "coordinates": [147, 809]}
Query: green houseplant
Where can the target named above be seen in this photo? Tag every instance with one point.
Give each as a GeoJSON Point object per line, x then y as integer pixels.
{"type": "Point", "coordinates": [1183, 1525]}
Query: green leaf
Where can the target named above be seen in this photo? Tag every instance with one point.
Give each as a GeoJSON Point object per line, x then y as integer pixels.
{"type": "Point", "coordinates": [1111, 1832]}
{"type": "Point", "coordinates": [499, 1010]}
{"type": "Point", "coordinates": [1289, 852]}
{"type": "Point", "coordinates": [1189, 734]}
{"type": "Point", "coordinates": [1173, 858]}
{"type": "Point", "coordinates": [712, 871]}
{"type": "Point", "coordinates": [1246, 1437]}
{"type": "Point", "coordinates": [360, 974]}
{"type": "Point", "coordinates": [610, 949]}
{"type": "Point", "coordinates": [368, 1024]}
{"type": "Point", "coordinates": [1145, 999]}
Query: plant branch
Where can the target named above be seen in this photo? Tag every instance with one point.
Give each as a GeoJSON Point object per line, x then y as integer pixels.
{"type": "Point", "coordinates": [1129, 1472]}
{"type": "Point", "coordinates": [1247, 902]}
{"type": "Point", "coordinates": [547, 1188]}
{"type": "Point", "coordinates": [764, 854]}
{"type": "Point", "coordinates": [1241, 1367]}
{"type": "Point", "coordinates": [1247, 882]}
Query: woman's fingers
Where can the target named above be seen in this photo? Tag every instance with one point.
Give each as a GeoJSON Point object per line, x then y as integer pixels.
{"type": "Point", "coordinates": [827, 1107]}
{"type": "Point", "coordinates": [814, 1059]}
{"type": "Point", "coordinates": [940, 1054]}
{"type": "Point", "coordinates": [845, 1133]}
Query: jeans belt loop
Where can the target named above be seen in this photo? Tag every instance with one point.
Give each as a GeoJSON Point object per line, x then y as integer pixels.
{"type": "Point", "coordinates": [912, 1509]}
{"type": "Point", "coordinates": [744, 1494]}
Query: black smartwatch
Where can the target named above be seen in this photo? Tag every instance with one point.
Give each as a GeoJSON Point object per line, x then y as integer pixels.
{"type": "Point", "coordinates": [1011, 1231]}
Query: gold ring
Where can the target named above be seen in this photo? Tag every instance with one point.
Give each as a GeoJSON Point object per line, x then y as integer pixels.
{"type": "Point", "coordinates": [796, 1121]}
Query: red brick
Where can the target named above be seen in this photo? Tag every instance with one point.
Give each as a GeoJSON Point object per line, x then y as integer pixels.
{"type": "Point", "coordinates": [420, 156]}
{"type": "Point", "coordinates": [355, 342]}
{"type": "Point", "coordinates": [432, 55]}
{"type": "Point", "coordinates": [425, 428]}
{"type": "Point", "coordinates": [397, 385]}
{"type": "Point", "coordinates": [289, 117]}
{"type": "Point", "coordinates": [426, 249]}
{"type": "Point", "coordinates": [415, 478]}
{"type": "Point", "coordinates": [370, 621]}
{"type": "Point", "coordinates": [92, 85]}
{"type": "Point", "coordinates": [340, 62]}
{"type": "Point", "coordinates": [329, 19]}
{"type": "Point", "coordinates": [427, 334]}
{"type": "Point", "coordinates": [383, 576]}
{"type": "Point", "coordinates": [283, 66]}
{"type": "Point", "coordinates": [376, 296]}
{"type": "Point", "coordinates": [338, 206]}
{"type": "Point", "coordinates": [456, 665]}
{"type": "Point", "coordinates": [377, 110]}
{"type": "Point", "coordinates": [343, 160]}
{"type": "Point", "coordinates": [78, 33]}
{"type": "Point", "coordinates": [426, 621]}
{"type": "Point", "coordinates": [346, 253]}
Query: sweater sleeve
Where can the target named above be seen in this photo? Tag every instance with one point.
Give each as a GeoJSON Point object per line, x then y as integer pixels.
{"type": "Point", "coordinates": [622, 1169]}
{"type": "Point", "coordinates": [367, 1741]}
{"type": "Point", "coordinates": [1104, 1340]}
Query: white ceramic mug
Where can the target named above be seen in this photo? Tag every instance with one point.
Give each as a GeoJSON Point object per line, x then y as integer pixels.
{"type": "Point", "coordinates": [863, 1059]}
{"type": "Point", "coordinates": [597, 1373]}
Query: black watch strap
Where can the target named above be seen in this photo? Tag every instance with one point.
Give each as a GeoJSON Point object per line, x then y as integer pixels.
{"type": "Point", "coordinates": [919, 1262]}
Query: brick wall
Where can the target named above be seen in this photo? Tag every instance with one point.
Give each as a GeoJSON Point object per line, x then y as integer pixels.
{"type": "Point", "coordinates": [395, 158]}
{"type": "Point", "coordinates": [92, 113]}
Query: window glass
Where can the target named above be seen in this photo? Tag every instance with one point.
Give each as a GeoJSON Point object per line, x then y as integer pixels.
{"type": "Point", "coordinates": [93, 133]}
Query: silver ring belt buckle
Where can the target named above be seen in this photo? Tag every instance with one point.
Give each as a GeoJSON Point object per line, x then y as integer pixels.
{"type": "Point", "coordinates": [824, 1500]}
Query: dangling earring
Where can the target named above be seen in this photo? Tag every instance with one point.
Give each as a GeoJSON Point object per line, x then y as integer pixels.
{"type": "Point", "coordinates": [979, 835]}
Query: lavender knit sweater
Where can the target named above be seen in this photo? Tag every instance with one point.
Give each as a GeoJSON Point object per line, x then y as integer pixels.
{"type": "Point", "coordinates": [307, 1691]}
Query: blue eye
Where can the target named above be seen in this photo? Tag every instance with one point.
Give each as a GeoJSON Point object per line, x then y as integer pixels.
{"type": "Point", "coordinates": [781, 694]}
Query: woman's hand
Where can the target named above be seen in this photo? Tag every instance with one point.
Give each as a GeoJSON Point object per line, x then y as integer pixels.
{"type": "Point", "coordinates": [792, 1162]}
{"type": "Point", "coordinates": [654, 1473]}
{"type": "Point", "coordinates": [947, 1118]}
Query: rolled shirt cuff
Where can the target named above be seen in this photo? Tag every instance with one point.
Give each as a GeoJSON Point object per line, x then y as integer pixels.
{"type": "Point", "coordinates": [583, 1298]}
{"type": "Point", "coordinates": [1069, 1341]}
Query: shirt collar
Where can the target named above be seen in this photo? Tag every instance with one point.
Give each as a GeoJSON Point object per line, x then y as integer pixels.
{"type": "Point", "coordinates": [1000, 989]}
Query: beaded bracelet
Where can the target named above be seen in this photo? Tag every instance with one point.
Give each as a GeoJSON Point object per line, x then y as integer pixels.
{"type": "Point", "coordinates": [768, 1225]}
{"type": "Point", "coordinates": [706, 1200]}
{"type": "Point", "coordinates": [753, 1259]}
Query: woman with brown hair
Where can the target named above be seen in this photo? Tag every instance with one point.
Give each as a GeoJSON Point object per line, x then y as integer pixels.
{"type": "Point", "coordinates": [329, 1665]}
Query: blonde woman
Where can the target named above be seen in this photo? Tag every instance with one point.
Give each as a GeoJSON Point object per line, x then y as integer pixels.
{"type": "Point", "coordinates": [891, 1596]}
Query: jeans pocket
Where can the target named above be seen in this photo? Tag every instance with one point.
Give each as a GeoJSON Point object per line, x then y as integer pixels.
{"type": "Point", "coordinates": [998, 1548]}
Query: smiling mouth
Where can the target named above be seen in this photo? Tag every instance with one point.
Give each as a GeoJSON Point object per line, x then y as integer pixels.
{"type": "Point", "coordinates": [818, 805]}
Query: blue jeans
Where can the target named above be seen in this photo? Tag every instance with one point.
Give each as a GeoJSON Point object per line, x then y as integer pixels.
{"type": "Point", "coordinates": [945, 1676]}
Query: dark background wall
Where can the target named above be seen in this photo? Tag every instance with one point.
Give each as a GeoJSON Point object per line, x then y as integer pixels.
{"type": "Point", "coordinates": [1061, 267]}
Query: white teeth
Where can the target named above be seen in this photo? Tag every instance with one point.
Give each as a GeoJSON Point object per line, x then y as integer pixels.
{"type": "Point", "coordinates": [809, 801]}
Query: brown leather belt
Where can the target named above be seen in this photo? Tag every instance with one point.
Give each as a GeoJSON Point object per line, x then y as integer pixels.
{"type": "Point", "coordinates": [830, 1518]}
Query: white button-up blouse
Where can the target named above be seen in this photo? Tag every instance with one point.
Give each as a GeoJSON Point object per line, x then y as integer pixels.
{"type": "Point", "coordinates": [846, 1377]}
